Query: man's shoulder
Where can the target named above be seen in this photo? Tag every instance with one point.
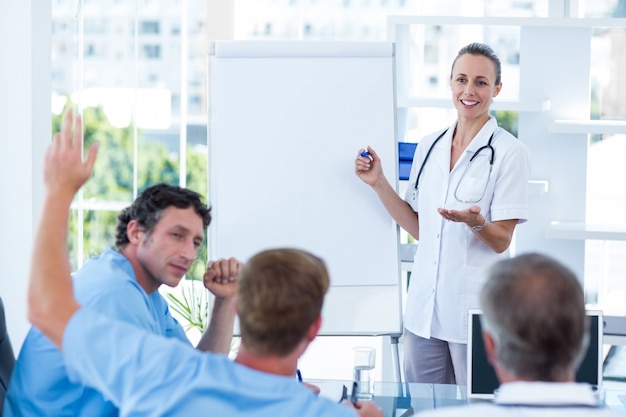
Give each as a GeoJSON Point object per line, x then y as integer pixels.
{"type": "Point", "coordinates": [321, 404]}
{"type": "Point", "coordinates": [103, 263]}
{"type": "Point", "coordinates": [107, 285]}
{"type": "Point", "coordinates": [490, 409]}
{"type": "Point", "coordinates": [289, 397]}
{"type": "Point", "coordinates": [109, 273]}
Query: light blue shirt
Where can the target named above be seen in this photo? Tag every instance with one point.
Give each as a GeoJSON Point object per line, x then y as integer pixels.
{"type": "Point", "coordinates": [39, 384]}
{"type": "Point", "coordinates": [148, 375]}
{"type": "Point", "coordinates": [533, 399]}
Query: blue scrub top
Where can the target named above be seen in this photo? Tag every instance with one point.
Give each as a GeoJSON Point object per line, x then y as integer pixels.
{"type": "Point", "coordinates": [39, 384]}
{"type": "Point", "coordinates": [150, 375]}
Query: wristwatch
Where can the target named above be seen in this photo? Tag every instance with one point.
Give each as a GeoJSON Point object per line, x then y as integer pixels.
{"type": "Point", "coordinates": [479, 227]}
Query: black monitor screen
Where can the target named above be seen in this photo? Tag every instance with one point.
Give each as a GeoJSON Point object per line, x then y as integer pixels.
{"type": "Point", "coordinates": [484, 380]}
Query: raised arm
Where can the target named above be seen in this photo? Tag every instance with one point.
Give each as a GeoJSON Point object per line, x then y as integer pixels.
{"type": "Point", "coordinates": [371, 172]}
{"type": "Point", "coordinates": [51, 301]}
{"type": "Point", "coordinates": [221, 279]}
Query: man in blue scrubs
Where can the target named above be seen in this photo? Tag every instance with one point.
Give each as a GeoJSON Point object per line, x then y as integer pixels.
{"type": "Point", "coordinates": [157, 239]}
{"type": "Point", "coordinates": [280, 300]}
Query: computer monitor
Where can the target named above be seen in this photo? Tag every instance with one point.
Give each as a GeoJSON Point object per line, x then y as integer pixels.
{"type": "Point", "coordinates": [482, 380]}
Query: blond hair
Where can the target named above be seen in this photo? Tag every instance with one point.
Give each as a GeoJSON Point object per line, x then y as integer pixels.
{"type": "Point", "coordinates": [281, 294]}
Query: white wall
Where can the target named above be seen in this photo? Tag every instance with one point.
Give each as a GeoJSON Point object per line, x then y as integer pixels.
{"type": "Point", "coordinates": [24, 133]}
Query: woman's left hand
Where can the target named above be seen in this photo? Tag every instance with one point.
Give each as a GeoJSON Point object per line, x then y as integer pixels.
{"type": "Point", "coordinates": [497, 236]}
{"type": "Point", "coordinates": [470, 216]}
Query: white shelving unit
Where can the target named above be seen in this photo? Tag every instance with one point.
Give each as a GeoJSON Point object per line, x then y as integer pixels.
{"type": "Point", "coordinates": [588, 126]}
{"type": "Point", "coordinates": [583, 231]}
{"type": "Point", "coordinates": [554, 109]}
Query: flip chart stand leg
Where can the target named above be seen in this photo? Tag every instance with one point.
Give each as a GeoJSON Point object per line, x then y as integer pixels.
{"type": "Point", "coordinates": [395, 358]}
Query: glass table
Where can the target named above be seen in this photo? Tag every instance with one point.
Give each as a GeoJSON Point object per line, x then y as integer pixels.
{"type": "Point", "coordinates": [407, 399]}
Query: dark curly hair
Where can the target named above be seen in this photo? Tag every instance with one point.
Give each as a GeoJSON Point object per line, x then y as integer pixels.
{"type": "Point", "coordinates": [148, 206]}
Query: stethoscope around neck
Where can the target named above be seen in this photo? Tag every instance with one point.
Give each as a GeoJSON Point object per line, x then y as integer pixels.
{"type": "Point", "coordinates": [472, 193]}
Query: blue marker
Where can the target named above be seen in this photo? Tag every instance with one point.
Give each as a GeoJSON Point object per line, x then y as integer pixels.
{"type": "Point", "coordinates": [367, 154]}
{"type": "Point", "coordinates": [299, 375]}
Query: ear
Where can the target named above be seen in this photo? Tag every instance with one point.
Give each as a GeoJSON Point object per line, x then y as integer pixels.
{"type": "Point", "coordinates": [497, 90]}
{"type": "Point", "coordinates": [490, 347]}
{"type": "Point", "coordinates": [133, 232]}
{"type": "Point", "coordinates": [314, 329]}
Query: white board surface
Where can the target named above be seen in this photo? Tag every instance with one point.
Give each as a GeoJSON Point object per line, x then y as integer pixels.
{"type": "Point", "coordinates": [286, 120]}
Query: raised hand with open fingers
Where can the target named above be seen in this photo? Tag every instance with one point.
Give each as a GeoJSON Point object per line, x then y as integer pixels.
{"type": "Point", "coordinates": [65, 171]}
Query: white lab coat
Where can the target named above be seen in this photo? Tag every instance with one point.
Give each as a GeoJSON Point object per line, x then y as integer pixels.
{"type": "Point", "coordinates": [450, 262]}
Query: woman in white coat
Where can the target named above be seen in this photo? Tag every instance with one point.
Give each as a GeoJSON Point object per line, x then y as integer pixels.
{"type": "Point", "coordinates": [467, 192]}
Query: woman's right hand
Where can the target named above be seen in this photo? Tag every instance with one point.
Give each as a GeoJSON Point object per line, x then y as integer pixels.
{"type": "Point", "coordinates": [368, 169]}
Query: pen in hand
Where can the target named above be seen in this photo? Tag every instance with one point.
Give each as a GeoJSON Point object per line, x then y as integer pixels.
{"type": "Point", "coordinates": [312, 387]}
{"type": "Point", "coordinates": [344, 394]}
{"type": "Point", "coordinates": [366, 154]}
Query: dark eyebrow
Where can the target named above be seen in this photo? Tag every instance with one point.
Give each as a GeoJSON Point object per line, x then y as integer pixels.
{"type": "Point", "coordinates": [482, 77]}
{"type": "Point", "coordinates": [186, 231]}
{"type": "Point", "coordinates": [180, 227]}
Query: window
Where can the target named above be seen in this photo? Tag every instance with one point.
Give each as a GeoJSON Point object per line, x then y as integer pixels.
{"type": "Point", "coordinates": [606, 259]}
{"type": "Point", "coordinates": [95, 26]}
{"type": "Point", "coordinates": [130, 102]}
{"type": "Point", "coordinates": [94, 50]}
{"type": "Point", "coordinates": [149, 27]}
{"type": "Point", "coordinates": [151, 51]}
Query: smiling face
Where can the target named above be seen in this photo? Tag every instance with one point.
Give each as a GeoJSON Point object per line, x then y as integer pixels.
{"type": "Point", "coordinates": [473, 85]}
{"type": "Point", "coordinates": [165, 255]}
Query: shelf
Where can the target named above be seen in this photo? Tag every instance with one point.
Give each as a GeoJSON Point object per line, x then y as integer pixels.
{"type": "Point", "coordinates": [508, 21]}
{"type": "Point", "coordinates": [446, 103]}
{"type": "Point", "coordinates": [582, 231]}
{"type": "Point", "coordinates": [587, 126]}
